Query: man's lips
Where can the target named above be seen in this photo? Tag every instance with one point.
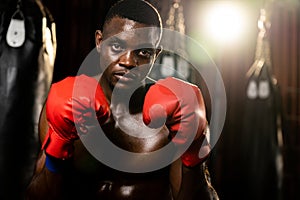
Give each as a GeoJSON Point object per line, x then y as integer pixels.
{"type": "Point", "coordinates": [125, 76]}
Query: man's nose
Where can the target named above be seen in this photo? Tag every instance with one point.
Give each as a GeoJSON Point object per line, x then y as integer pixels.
{"type": "Point", "coordinates": [128, 60]}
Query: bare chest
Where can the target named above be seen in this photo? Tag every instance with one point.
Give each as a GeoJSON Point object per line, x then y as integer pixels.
{"type": "Point", "coordinates": [129, 132]}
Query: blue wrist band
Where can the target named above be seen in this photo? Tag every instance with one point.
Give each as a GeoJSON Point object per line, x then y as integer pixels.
{"type": "Point", "coordinates": [56, 165]}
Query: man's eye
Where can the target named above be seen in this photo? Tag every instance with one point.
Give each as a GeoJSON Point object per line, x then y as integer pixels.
{"type": "Point", "coordinates": [146, 53]}
{"type": "Point", "coordinates": [116, 47]}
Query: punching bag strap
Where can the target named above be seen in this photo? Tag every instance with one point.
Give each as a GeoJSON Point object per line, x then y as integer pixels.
{"type": "Point", "coordinates": [15, 35]}
{"type": "Point", "coordinates": [53, 31]}
{"type": "Point", "coordinates": [49, 39]}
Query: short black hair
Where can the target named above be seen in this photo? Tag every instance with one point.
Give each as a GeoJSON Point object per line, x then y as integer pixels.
{"type": "Point", "coordinates": [137, 10]}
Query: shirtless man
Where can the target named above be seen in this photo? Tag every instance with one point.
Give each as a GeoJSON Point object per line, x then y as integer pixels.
{"type": "Point", "coordinates": [65, 169]}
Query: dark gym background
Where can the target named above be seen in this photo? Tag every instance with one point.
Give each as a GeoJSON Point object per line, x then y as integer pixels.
{"type": "Point", "coordinates": [76, 22]}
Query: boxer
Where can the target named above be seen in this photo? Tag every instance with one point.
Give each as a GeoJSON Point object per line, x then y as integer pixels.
{"type": "Point", "coordinates": [174, 108]}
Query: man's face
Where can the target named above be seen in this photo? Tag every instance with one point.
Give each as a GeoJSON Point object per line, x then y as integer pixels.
{"type": "Point", "coordinates": [127, 53]}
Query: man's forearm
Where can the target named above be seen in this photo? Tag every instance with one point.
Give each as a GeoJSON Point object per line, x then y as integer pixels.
{"type": "Point", "coordinates": [46, 184]}
{"type": "Point", "coordinates": [196, 184]}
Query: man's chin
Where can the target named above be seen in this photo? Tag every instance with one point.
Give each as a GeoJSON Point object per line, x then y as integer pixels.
{"type": "Point", "coordinates": [122, 92]}
{"type": "Point", "coordinates": [126, 85]}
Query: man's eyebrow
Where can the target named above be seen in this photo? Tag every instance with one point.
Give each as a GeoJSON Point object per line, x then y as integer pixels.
{"type": "Point", "coordinates": [145, 46]}
{"type": "Point", "coordinates": [116, 39]}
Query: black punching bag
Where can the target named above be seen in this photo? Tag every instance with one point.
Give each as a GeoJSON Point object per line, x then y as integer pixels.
{"type": "Point", "coordinates": [261, 136]}
{"type": "Point", "coordinates": [21, 41]}
{"type": "Point", "coordinates": [260, 147]}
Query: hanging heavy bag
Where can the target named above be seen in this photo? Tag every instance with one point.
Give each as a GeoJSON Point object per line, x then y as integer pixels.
{"type": "Point", "coordinates": [259, 145]}
{"type": "Point", "coordinates": [20, 46]}
{"type": "Point", "coordinates": [261, 138]}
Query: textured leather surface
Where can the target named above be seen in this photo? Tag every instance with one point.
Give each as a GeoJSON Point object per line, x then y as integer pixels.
{"type": "Point", "coordinates": [18, 76]}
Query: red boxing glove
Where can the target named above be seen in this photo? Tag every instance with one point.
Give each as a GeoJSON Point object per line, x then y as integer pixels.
{"type": "Point", "coordinates": [73, 101]}
{"type": "Point", "coordinates": [180, 106]}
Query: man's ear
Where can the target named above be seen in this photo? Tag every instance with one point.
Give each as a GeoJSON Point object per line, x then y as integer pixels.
{"type": "Point", "coordinates": [98, 39]}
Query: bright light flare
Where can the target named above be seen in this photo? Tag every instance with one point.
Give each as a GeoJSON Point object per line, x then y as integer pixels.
{"type": "Point", "coordinates": [225, 22]}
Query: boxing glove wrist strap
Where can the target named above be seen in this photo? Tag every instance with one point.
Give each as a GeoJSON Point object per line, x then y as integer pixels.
{"type": "Point", "coordinates": [56, 165]}
{"type": "Point", "coordinates": [57, 147]}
